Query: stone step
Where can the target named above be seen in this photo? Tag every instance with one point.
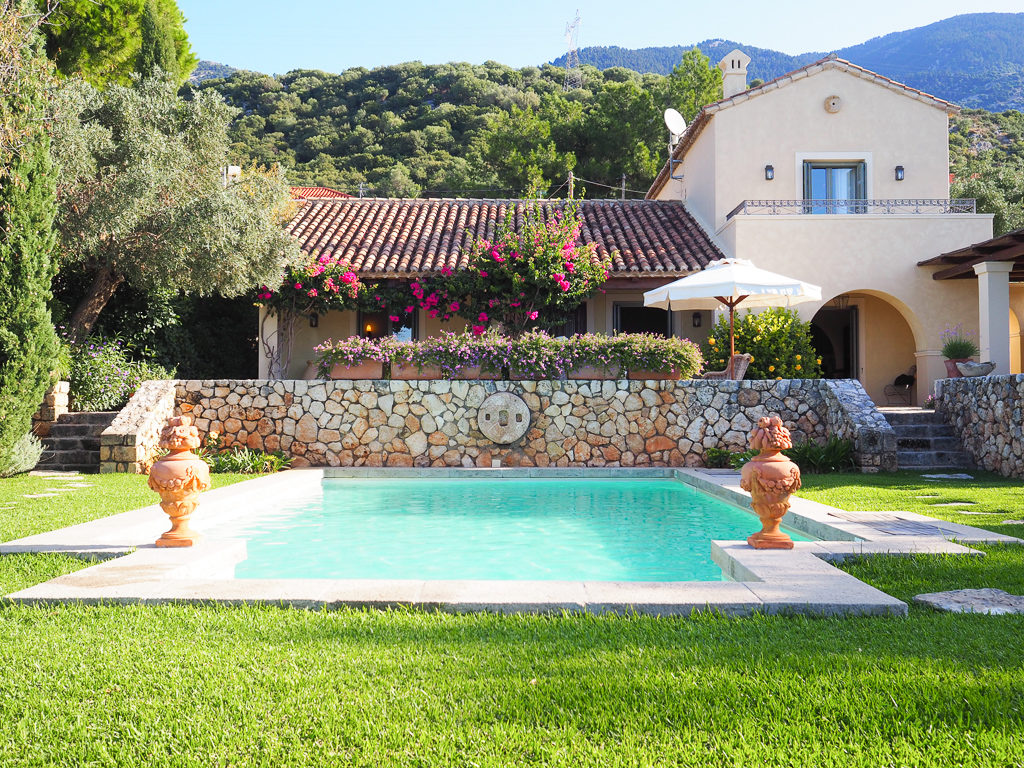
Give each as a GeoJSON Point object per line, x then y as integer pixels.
{"type": "Point", "coordinates": [67, 443]}
{"type": "Point", "coordinates": [923, 430]}
{"type": "Point", "coordinates": [56, 459]}
{"type": "Point", "coordinates": [932, 460]}
{"type": "Point", "coordinates": [911, 417]}
{"type": "Point", "coordinates": [88, 417]}
{"type": "Point", "coordinates": [941, 443]}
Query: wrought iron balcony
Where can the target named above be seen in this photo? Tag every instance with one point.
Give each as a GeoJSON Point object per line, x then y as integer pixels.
{"type": "Point", "coordinates": [842, 207]}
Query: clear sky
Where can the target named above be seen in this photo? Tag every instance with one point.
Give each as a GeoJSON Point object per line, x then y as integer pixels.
{"type": "Point", "coordinates": [274, 36]}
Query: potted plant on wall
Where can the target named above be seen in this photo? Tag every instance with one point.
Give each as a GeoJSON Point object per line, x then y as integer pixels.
{"type": "Point", "coordinates": [957, 347]}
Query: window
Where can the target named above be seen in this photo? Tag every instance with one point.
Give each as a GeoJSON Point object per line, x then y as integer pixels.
{"type": "Point", "coordinates": [634, 317]}
{"type": "Point", "coordinates": [835, 184]}
{"type": "Point", "coordinates": [575, 323]}
{"type": "Point", "coordinates": [376, 325]}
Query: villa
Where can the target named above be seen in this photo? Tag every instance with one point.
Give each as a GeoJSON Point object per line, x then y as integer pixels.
{"type": "Point", "coordinates": [831, 174]}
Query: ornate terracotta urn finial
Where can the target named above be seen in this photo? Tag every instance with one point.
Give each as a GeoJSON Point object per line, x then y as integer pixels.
{"type": "Point", "coordinates": [770, 477]}
{"type": "Point", "coordinates": [179, 478]}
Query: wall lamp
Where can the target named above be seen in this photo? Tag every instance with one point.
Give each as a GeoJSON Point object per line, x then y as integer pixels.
{"type": "Point", "coordinates": [314, 320]}
{"type": "Point", "coordinates": [769, 172]}
{"type": "Point", "coordinates": [695, 319]}
{"type": "Point", "coordinates": [899, 173]}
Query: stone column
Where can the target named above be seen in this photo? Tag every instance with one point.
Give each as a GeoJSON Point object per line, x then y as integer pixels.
{"type": "Point", "coordinates": [994, 312]}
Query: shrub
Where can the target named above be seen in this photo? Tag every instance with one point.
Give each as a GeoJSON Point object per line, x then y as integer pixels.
{"type": "Point", "coordinates": [718, 458]}
{"type": "Point", "coordinates": [23, 456]}
{"type": "Point", "coordinates": [534, 353]}
{"type": "Point", "coordinates": [240, 460]}
{"type": "Point", "coordinates": [958, 344]}
{"type": "Point", "coordinates": [778, 340]}
{"type": "Point", "coordinates": [834, 455]}
{"type": "Point", "coordinates": [103, 376]}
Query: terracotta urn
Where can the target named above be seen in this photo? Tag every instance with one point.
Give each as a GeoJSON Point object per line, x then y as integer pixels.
{"type": "Point", "coordinates": [179, 477]}
{"type": "Point", "coordinates": [770, 477]}
{"type": "Point", "coordinates": [952, 372]}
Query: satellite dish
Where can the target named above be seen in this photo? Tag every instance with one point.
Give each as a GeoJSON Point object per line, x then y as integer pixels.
{"type": "Point", "coordinates": [675, 122]}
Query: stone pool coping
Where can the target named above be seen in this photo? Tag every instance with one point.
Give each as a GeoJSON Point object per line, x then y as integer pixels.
{"type": "Point", "coordinates": [800, 580]}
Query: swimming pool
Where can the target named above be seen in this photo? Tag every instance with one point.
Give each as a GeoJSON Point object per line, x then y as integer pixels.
{"type": "Point", "coordinates": [491, 529]}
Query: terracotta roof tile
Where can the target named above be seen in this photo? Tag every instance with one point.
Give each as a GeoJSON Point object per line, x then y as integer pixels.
{"type": "Point", "coordinates": [317, 193]}
{"type": "Point", "coordinates": [396, 237]}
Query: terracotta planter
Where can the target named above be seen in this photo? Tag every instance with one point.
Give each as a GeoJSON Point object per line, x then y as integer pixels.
{"type": "Point", "coordinates": [179, 477]}
{"type": "Point", "coordinates": [770, 477]}
{"type": "Point", "coordinates": [593, 372]}
{"type": "Point", "coordinates": [952, 372]}
{"type": "Point", "coordinates": [474, 373]}
{"type": "Point", "coordinates": [412, 372]}
{"type": "Point", "coordinates": [654, 375]}
{"type": "Point", "coordinates": [368, 369]}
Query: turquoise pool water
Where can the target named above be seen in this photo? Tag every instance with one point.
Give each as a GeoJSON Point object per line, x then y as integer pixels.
{"type": "Point", "coordinates": [530, 529]}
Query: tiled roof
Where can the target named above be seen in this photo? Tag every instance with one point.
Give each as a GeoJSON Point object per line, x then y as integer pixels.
{"type": "Point", "coordinates": [829, 62]}
{"type": "Point", "coordinates": [317, 193]}
{"type": "Point", "coordinates": [399, 237]}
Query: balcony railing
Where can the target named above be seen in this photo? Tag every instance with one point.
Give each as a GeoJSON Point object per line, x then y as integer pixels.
{"type": "Point", "coordinates": [841, 207]}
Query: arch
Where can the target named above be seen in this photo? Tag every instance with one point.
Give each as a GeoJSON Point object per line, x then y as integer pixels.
{"type": "Point", "coordinates": [875, 339]}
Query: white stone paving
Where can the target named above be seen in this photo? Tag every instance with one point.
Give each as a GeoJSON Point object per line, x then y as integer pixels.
{"type": "Point", "coordinates": [800, 580]}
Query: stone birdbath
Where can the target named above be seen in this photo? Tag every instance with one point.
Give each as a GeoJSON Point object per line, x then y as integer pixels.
{"type": "Point", "coordinates": [771, 478]}
{"type": "Point", "coordinates": [179, 477]}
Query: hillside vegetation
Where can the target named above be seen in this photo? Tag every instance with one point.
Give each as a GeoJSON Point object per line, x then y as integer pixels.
{"type": "Point", "coordinates": [459, 129]}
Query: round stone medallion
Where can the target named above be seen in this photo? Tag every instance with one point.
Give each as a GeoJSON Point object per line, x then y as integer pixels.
{"type": "Point", "coordinates": [503, 417]}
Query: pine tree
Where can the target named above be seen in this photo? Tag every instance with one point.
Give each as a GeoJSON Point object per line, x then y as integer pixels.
{"type": "Point", "coordinates": [28, 344]}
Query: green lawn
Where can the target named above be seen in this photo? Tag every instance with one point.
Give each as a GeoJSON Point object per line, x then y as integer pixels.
{"type": "Point", "coordinates": [205, 686]}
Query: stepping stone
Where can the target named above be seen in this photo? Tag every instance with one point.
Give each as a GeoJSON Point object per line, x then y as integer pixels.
{"type": "Point", "coordinates": [1013, 522]}
{"type": "Point", "coordinates": [54, 473]}
{"type": "Point", "coordinates": [949, 476]}
{"type": "Point", "coordinates": [955, 504]}
{"type": "Point", "coordinates": [80, 485]}
{"type": "Point", "coordinates": [37, 495]}
{"type": "Point", "coordinates": [929, 496]}
{"type": "Point", "coordinates": [968, 512]}
{"type": "Point", "coordinates": [60, 490]}
{"type": "Point", "coordinates": [994, 602]}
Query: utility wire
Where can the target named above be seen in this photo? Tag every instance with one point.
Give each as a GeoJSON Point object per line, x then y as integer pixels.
{"type": "Point", "coordinates": [610, 186]}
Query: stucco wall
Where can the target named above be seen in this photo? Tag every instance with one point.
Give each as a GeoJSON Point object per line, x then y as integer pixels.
{"type": "Point", "coordinates": [572, 423]}
{"type": "Point", "coordinates": [987, 413]}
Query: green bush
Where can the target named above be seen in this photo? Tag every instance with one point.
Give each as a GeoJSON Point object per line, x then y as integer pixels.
{"type": "Point", "coordinates": [103, 376]}
{"type": "Point", "coordinates": [240, 460]}
{"type": "Point", "coordinates": [718, 458]}
{"type": "Point", "coordinates": [778, 340]}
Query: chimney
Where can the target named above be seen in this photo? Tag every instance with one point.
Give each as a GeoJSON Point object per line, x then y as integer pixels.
{"type": "Point", "coordinates": [734, 73]}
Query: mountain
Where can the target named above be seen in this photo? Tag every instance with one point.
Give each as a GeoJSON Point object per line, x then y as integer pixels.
{"type": "Point", "coordinates": [974, 60]}
{"type": "Point", "coordinates": [210, 70]}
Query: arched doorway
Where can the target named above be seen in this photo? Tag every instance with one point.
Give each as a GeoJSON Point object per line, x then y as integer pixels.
{"type": "Point", "coordinates": [1015, 342]}
{"type": "Point", "coordinates": [866, 335]}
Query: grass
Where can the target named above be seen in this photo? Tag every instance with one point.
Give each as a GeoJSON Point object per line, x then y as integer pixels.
{"type": "Point", "coordinates": [203, 686]}
{"type": "Point", "coordinates": [106, 495]}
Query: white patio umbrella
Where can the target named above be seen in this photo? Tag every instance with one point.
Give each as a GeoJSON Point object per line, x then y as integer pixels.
{"type": "Point", "coordinates": [731, 282]}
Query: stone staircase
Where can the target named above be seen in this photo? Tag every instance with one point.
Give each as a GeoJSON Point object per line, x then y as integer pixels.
{"type": "Point", "coordinates": [73, 444]}
{"type": "Point", "coordinates": [924, 441]}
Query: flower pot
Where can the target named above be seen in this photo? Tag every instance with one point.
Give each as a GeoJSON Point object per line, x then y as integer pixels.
{"type": "Point", "coordinates": [474, 372]}
{"type": "Point", "coordinates": [594, 372]}
{"type": "Point", "coordinates": [368, 369]}
{"type": "Point", "coordinates": [952, 372]}
{"type": "Point", "coordinates": [654, 375]}
{"type": "Point", "coordinates": [413, 372]}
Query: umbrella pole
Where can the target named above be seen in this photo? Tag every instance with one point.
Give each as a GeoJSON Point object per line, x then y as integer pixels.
{"type": "Point", "coordinates": [732, 340]}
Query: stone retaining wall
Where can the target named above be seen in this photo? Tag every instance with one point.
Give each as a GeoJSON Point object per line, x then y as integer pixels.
{"type": "Point", "coordinates": [54, 405]}
{"type": "Point", "coordinates": [129, 444]}
{"type": "Point", "coordinates": [987, 414]}
{"type": "Point", "coordinates": [572, 423]}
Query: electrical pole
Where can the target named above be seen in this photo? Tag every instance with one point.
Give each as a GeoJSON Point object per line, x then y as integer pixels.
{"type": "Point", "coordinates": [571, 185]}
{"type": "Point", "coordinates": [362, 186]}
{"type": "Point", "coordinates": [623, 186]}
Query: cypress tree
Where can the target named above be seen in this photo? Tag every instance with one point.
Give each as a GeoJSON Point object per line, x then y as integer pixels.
{"type": "Point", "coordinates": [28, 344]}
{"type": "Point", "coordinates": [157, 44]}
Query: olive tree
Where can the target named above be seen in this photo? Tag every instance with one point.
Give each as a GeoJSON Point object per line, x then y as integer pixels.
{"type": "Point", "coordinates": [142, 200]}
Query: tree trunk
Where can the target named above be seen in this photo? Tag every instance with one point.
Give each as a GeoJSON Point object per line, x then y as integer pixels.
{"type": "Point", "coordinates": [104, 284]}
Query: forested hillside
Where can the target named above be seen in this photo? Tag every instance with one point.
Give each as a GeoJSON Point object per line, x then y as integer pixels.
{"type": "Point", "coordinates": [975, 59]}
{"type": "Point", "coordinates": [465, 130]}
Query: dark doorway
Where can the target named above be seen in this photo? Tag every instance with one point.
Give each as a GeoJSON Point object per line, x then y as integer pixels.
{"type": "Point", "coordinates": [834, 334]}
{"type": "Point", "coordinates": [636, 318]}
